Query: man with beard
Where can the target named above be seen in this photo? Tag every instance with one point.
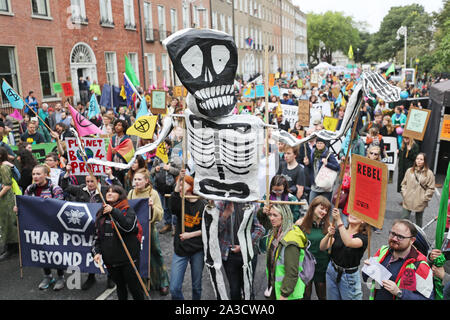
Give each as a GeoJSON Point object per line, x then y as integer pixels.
{"type": "Point", "coordinates": [412, 277]}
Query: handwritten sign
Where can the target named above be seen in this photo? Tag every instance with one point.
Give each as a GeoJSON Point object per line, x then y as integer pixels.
{"type": "Point", "coordinates": [245, 107]}
{"type": "Point", "coordinates": [416, 123]}
{"type": "Point", "coordinates": [271, 80]}
{"type": "Point", "coordinates": [158, 105]}
{"type": "Point", "coordinates": [445, 132]}
{"type": "Point", "coordinates": [275, 91]}
{"type": "Point", "coordinates": [95, 148]}
{"type": "Point", "coordinates": [367, 198]}
{"type": "Point", "coordinates": [177, 91]}
{"type": "Point", "coordinates": [259, 91]}
{"type": "Point", "coordinates": [57, 87]}
{"type": "Point", "coordinates": [303, 112]}
{"type": "Point", "coordinates": [330, 123]}
{"type": "Point", "coordinates": [67, 88]}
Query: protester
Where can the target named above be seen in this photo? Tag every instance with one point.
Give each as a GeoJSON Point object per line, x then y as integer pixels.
{"type": "Point", "coordinates": [31, 104]}
{"type": "Point", "coordinates": [164, 175]}
{"type": "Point", "coordinates": [410, 273]}
{"type": "Point", "coordinates": [230, 218]}
{"type": "Point", "coordinates": [315, 224]}
{"type": "Point", "coordinates": [320, 155]}
{"type": "Point", "coordinates": [399, 122]}
{"type": "Point", "coordinates": [129, 177]}
{"type": "Point", "coordinates": [26, 162]}
{"type": "Point", "coordinates": [417, 189]}
{"type": "Point", "coordinates": [406, 157]}
{"type": "Point", "coordinates": [159, 278]}
{"type": "Point", "coordinates": [31, 136]}
{"type": "Point", "coordinates": [188, 245]}
{"type": "Point", "coordinates": [286, 243]}
{"type": "Point", "coordinates": [292, 171]}
{"type": "Point", "coordinates": [347, 249]}
{"type": "Point", "coordinates": [377, 123]}
{"type": "Point", "coordinates": [374, 138]}
{"type": "Point", "coordinates": [43, 187]}
{"type": "Point", "coordinates": [8, 229]}
{"type": "Point", "coordinates": [358, 146]}
{"type": "Point", "coordinates": [106, 246]}
{"type": "Point", "coordinates": [120, 136]}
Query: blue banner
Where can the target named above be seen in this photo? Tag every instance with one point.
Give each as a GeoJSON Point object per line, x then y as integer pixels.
{"type": "Point", "coordinates": [57, 234]}
{"type": "Point", "coordinates": [15, 100]}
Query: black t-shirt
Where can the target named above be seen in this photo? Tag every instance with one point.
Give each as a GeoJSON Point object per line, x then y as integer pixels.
{"type": "Point", "coordinates": [32, 138]}
{"type": "Point", "coordinates": [347, 257]}
{"type": "Point", "coordinates": [294, 177]}
{"type": "Point", "coordinates": [192, 222]}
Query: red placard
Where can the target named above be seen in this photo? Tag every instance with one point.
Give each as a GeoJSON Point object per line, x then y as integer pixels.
{"type": "Point", "coordinates": [367, 198]}
{"type": "Point", "coordinates": [67, 88]}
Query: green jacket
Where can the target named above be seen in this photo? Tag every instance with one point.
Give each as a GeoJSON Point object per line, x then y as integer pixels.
{"type": "Point", "coordinates": [287, 265]}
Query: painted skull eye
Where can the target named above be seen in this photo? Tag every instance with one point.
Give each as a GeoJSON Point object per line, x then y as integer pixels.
{"type": "Point", "coordinates": [192, 61]}
{"type": "Point", "coordinates": [220, 56]}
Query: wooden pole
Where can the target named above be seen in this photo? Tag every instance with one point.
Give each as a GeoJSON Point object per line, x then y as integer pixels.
{"type": "Point", "coordinates": [184, 148]}
{"type": "Point", "coordinates": [112, 220]}
{"type": "Point", "coordinates": [150, 211]}
{"type": "Point", "coordinates": [18, 238]}
{"type": "Point", "coordinates": [266, 112]}
{"type": "Point", "coordinates": [298, 203]}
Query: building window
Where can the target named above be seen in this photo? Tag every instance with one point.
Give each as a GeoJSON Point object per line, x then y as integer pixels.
{"type": "Point", "coordinates": [165, 67]}
{"type": "Point", "coordinates": [111, 68]}
{"type": "Point", "coordinates": [106, 17]}
{"type": "Point", "coordinates": [4, 6]}
{"type": "Point", "coordinates": [222, 22]}
{"type": "Point", "coordinates": [173, 20]}
{"type": "Point", "coordinates": [148, 20]}
{"type": "Point", "coordinates": [195, 16]}
{"type": "Point", "coordinates": [185, 15]}
{"type": "Point", "coordinates": [205, 19]}
{"type": "Point", "coordinates": [128, 9]}
{"type": "Point", "coordinates": [40, 8]}
{"type": "Point", "coordinates": [214, 21]}
{"type": "Point", "coordinates": [151, 69]}
{"type": "Point", "coordinates": [8, 70]}
{"type": "Point", "coordinates": [46, 71]}
{"type": "Point", "coordinates": [78, 11]}
{"type": "Point", "coordinates": [230, 26]}
{"type": "Point", "coordinates": [133, 57]}
{"type": "Point", "coordinates": [162, 23]}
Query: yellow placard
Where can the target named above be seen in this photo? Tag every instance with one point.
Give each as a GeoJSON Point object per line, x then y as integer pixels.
{"type": "Point", "coordinates": [445, 132]}
{"type": "Point", "coordinates": [144, 127]}
{"type": "Point", "coordinates": [177, 91]}
{"type": "Point", "coordinates": [330, 123]}
{"type": "Point", "coordinates": [161, 152]}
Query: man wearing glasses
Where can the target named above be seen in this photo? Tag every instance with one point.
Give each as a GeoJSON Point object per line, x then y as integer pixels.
{"type": "Point", "coordinates": [412, 277]}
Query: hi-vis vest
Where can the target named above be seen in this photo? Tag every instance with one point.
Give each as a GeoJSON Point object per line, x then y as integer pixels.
{"type": "Point", "coordinates": [423, 276]}
{"type": "Point", "coordinates": [298, 238]}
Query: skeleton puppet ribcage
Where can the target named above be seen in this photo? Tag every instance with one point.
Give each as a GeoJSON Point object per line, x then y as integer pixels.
{"type": "Point", "coordinates": [225, 153]}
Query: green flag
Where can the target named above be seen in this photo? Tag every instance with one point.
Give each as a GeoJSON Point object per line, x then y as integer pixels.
{"type": "Point", "coordinates": [442, 217]}
{"type": "Point", "coordinates": [390, 69]}
{"type": "Point", "coordinates": [130, 72]}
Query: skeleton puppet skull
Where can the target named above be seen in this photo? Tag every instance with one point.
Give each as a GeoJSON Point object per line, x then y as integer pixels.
{"type": "Point", "coordinates": [206, 62]}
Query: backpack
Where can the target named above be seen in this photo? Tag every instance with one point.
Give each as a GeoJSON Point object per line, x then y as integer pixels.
{"type": "Point", "coordinates": [308, 266]}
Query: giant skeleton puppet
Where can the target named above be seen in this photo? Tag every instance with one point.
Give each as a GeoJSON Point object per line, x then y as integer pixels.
{"type": "Point", "coordinates": [226, 148]}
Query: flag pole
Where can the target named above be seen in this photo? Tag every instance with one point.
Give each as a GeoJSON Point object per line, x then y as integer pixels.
{"type": "Point", "coordinates": [266, 111]}
{"type": "Point", "coordinates": [83, 155]}
{"type": "Point", "coordinates": [150, 211]}
{"type": "Point", "coordinates": [18, 238]}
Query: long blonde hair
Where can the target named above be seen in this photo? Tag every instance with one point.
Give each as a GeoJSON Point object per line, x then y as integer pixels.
{"type": "Point", "coordinates": [389, 126]}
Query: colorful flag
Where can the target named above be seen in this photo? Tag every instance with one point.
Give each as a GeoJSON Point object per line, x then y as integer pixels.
{"type": "Point", "coordinates": [125, 149]}
{"type": "Point", "coordinates": [16, 115]}
{"type": "Point", "coordinates": [15, 100]}
{"type": "Point", "coordinates": [164, 85]}
{"type": "Point", "coordinates": [350, 53]}
{"type": "Point", "coordinates": [390, 69]}
{"type": "Point", "coordinates": [129, 70]}
{"type": "Point", "coordinates": [161, 152]}
{"type": "Point", "coordinates": [129, 92]}
{"type": "Point", "coordinates": [84, 127]}
{"type": "Point", "coordinates": [143, 110]}
{"type": "Point", "coordinates": [249, 41]}
{"type": "Point", "coordinates": [144, 127]}
{"type": "Point", "coordinates": [94, 108]}
{"type": "Point", "coordinates": [443, 207]}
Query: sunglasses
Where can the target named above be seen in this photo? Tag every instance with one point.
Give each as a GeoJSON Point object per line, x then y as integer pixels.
{"type": "Point", "coordinates": [374, 153]}
{"type": "Point", "coordinates": [399, 236]}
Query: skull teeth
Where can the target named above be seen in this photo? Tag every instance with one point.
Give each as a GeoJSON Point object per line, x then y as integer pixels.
{"type": "Point", "coordinates": [213, 92]}
{"type": "Point", "coordinates": [218, 102]}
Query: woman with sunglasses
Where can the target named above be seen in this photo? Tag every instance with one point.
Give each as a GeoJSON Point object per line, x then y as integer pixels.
{"type": "Point", "coordinates": [417, 189]}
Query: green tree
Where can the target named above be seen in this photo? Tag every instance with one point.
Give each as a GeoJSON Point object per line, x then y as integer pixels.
{"type": "Point", "coordinates": [386, 46]}
{"type": "Point", "coordinates": [440, 56]}
{"type": "Point", "coordinates": [328, 33]}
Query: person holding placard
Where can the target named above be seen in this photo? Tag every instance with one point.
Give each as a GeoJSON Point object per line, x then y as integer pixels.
{"type": "Point", "coordinates": [417, 189]}
{"type": "Point", "coordinates": [411, 276]}
{"type": "Point", "coordinates": [347, 248]}
{"type": "Point", "coordinates": [315, 225]}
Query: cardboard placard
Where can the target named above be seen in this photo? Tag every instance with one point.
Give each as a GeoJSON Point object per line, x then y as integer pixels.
{"type": "Point", "coordinates": [158, 105]}
{"type": "Point", "coordinates": [67, 88]}
{"type": "Point", "coordinates": [416, 123]}
{"type": "Point", "coordinates": [367, 197]}
{"type": "Point", "coordinates": [271, 80]}
{"type": "Point", "coordinates": [330, 123]}
{"type": "Point", "coordinates": [95, 148]}
{"type": "Point", "coordinates": [260, 92]}
{"type": "Point", "coordinates": [57, 87]}
{"type": "Point", "coordinates": [390, 148]}
{"type": "Point", "coordinates": [303, 112]}
{"type": "Point", "coordinates": [178, 91]}
{"type": "Point", "coordinates": [445, 131]}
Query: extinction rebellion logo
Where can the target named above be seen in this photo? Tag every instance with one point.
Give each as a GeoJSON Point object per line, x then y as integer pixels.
{"type": "Point", "coordinates": [75, 216]}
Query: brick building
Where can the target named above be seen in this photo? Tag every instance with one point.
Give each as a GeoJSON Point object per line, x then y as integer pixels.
{"type": "Point", "coordinates": [47, 41]}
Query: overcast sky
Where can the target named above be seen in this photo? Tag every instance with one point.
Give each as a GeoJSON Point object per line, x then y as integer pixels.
{"type": "Point", "coordinates": [371, 12]}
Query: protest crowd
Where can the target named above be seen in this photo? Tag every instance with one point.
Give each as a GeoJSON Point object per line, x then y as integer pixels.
{"type": "Point", "coordinates": [284, 237]}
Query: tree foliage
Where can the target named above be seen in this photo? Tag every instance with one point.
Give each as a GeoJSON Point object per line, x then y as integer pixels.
{"type": "Point", "coordinates": [328, 33]}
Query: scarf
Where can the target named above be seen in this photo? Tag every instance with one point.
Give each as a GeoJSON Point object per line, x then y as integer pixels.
{"type": "Point", "coordinates": [122, 205]}
{"type": "Point", "coordinates": [317, 155]}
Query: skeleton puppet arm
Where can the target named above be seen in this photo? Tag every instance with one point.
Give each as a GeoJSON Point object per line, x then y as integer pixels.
{"type": "Point", "coordinates": [167, 126]}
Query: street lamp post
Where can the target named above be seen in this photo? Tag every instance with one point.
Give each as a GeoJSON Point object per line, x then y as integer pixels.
{"type": "Point", "coordinates": [403, 31]}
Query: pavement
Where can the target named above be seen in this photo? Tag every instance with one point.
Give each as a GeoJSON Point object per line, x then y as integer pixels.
{"type": "Point", "coordinates": [15, 287]}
